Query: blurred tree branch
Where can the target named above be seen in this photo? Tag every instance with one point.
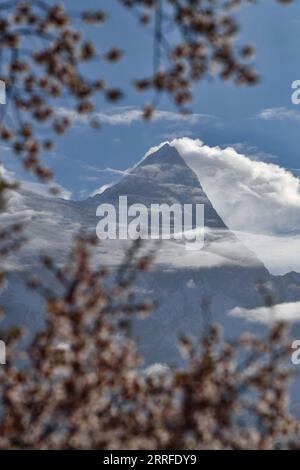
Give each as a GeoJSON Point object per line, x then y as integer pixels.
{"type": "Point", "coordinates": [79, 385]}
{"type": "Point", "coordinates": [44, 52]}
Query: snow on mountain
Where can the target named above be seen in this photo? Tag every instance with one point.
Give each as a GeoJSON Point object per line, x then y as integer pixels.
{"type": "Point", "coordinates": [164, 178]}
{"type": "Point", "coordinates": [191, 288]}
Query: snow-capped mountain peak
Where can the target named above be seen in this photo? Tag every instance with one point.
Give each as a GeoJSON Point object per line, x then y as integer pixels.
{"type": "Point", "coordinates": [166, 154]}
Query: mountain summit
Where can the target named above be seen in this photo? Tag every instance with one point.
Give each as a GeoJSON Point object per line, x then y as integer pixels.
{"type": "Point", "coordinates": [162, 177]}
{"type": "Point", "coordinates": [166, 154]}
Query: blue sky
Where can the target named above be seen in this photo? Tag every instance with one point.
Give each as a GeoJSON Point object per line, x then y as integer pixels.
{"type": "Point", "coordinates": [224, 114]}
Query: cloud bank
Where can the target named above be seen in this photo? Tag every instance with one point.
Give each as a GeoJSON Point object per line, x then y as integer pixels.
{"type": "Point", "coordinates": [253, 196]}
{"type": "Point", "coordinates": [260, 201]}
{"type": "Point", "coordinates": [287, 312]}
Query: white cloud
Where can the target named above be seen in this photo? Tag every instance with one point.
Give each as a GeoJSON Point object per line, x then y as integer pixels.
{"type": "Point", "coordinates": [280, 113]}
{"type": "Point", "coordinates": [251, 196]}
{"type": "Point", "coordinates": [156, 369]}
{"type": "Point", "coordinates": [287, 312]}
{"type": "Point", "coordinates": [279, 254]}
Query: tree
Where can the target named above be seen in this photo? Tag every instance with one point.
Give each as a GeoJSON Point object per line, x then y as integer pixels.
{"type": "Point", "coordinates": [80, 385]}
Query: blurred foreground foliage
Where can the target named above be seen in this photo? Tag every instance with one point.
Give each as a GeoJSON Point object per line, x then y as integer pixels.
{"type": "Point", "coordinates": [81, 383]}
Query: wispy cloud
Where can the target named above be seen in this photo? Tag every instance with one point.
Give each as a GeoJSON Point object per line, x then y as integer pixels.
{"type": "Point", "coordinates": [107, 170]}
{"type": "Point", "coordinates": [287, 312]}
{"type": "Point", "coordinates": [43, 189]}
{"type": "Point", "coordinates": [124, 116]}
{"type": "Point", "coordinates": [252, 151]}
{"type": "Point", "coordinates": [280, 113]}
